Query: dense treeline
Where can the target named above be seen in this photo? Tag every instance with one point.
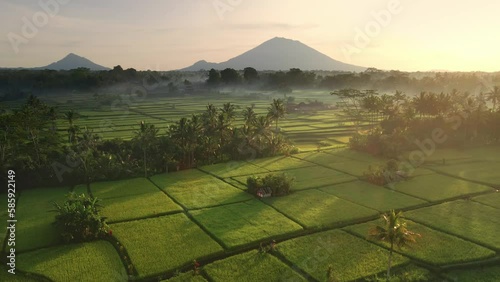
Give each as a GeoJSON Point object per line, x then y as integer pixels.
{"type": "Point", "coordinates": [423, 122]}
{"type": "Point", "coordinates": [19, 84]}
{"type": "Point", "coordinates": [42, 156]}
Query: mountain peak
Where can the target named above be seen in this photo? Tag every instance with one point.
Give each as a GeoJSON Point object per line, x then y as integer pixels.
{"type": "Point", "coordinates": [280, 53]}
{"type": "Point", "coordinates": [74, 61]}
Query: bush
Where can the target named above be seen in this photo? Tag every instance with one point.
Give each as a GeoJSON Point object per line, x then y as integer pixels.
{"type": "Point", "coordinates": [79, 220]}
{"type": "Point", "coordinates": [280, 184]}
{"type": "Point", "coordinates": [383, 175]}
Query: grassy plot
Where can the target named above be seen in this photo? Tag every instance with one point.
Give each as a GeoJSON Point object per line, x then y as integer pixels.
{"type": "Point", "coordinates": [433, 247]}
{"type": "Point", "coordinates": [280, 163]}
{"type": "Point", "coordinates": [372, 196]}
{"type": "Point", "coordinates": [17, 277]}
{"type": "Point", "coordinates": [231, 169]}
{"type": "Point", "coordinates": [437, 187]}
{"type": "Point", "coordinates": [97, 261]}
{"type": "Point", "coordinates": [484, 172]}
{"type": "Point", "coordinates": [251, 266]}
{"type": "Point", "coordinates": [334, 159]}
{"type": "Point", "coordinates": [34, 228]}
{"type": "Point", "coordinates": [131, 199]}
{"type": "Point", "coordinates": [186, 277]}
{"type": "Point", "coordinates": [314, 208]}
{"type": "Point", "coordinates": [243, 223]}
{"type": "Point", "coordinates": [196, 189]}
{"type": "Point", "coordinates": [492, 200]}
{"type": "Point", "coordinates": [311, 177]}
{"type": "Point", "coordinates": [481, 274]}
{"type": "Point", "coordinates": [163, 244]}
{"type": "Point", "coordinates": [473, 221]}
{"type": "Point", "coordinates": [350, 257]}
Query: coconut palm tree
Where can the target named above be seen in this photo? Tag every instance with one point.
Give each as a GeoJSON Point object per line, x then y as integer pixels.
{"type": "Point", "coordinates": [277, 110]}
{"type": "Point", "coordinates": [146, 137]}
{"type": "Point", "coordinates": [249, 116]}
{"type": "Point", "coordinates": [394, 232]}
{"type": "Point", "coordinates": [494, 96]}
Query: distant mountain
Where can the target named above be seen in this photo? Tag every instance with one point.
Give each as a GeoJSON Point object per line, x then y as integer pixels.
{"type": "Point", "coordinates": [73, 61]}
{"type": "Point", "coordinates": [279, 54]}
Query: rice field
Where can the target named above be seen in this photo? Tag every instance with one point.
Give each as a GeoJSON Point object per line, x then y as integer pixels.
{"type": "Point", "coordinates": [195, 189]}
{"type": "Point", "coordinates": [162, 244]}
{"type": "Point", "coordinates": [350, 257]}
{"type": "Point", "coordinates": [251, 266]}
{"type": "Point", "coordinates": [118, 196]}
{"type": "Point", "coordinates": [303, 207]}
{"type": "Point", "coordinates": [372, 196]}
{"type": "Point", "coordinates": [35, 216]}
{"type": "Point", "coordinates": [97, 261]}
{"type": "Point", "coordinates": [433, 247]}
{"type": "Point", "coordinates": [244, 223]}
{"type": "Point", "coordinates": [439, 187]}
{"type": "Point", "coordinates": [464, 218]}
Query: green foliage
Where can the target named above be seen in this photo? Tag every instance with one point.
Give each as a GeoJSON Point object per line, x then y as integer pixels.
{"type": "Point", "coordinates": [383, 175]}
{"type": "Point", "coordinates": [79, 220]}
{"type": "Point", "coordinates": [280, 184]}
{"type": "Point", "coordinates": [251, 266]}
{"type": "Point", "coordinates": [393, 231]}
{"type": "Point", "coordinates": [95, 261]}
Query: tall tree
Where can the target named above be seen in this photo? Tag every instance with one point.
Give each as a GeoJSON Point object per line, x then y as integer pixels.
{"type": "Point", "coordinates": [213, 77]}
{"type": "Point", "coordinates": [250, 74]}
{"type": "Point", "coordinates": [494, 96]}
{"type": "Point", "coordinates": [146, 138]}
{"type": "Point", "coordinates": [277, 110]}
{"type": "Point", "coordinates": [393, 231]}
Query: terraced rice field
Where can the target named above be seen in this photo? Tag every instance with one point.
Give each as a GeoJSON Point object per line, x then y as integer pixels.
{"type": "Point", "coordinates": [372, 196]}
{"type": "Point", "coordinates": [169, 220]}
{"type": "Point", "coordinates": [97, 261]}
{"type": "Point", "coordinates": [194, 189]}
{"type": "Point", "coordinates": [244, 223]}
{"type": "Point", "coordinates": [35, 217]}
{"type": "Point", "coordinates": [434, 247]}
{"type": "Point", "coordinates": [315, 253]}
{"type": "Point", "coordinates": [163, 244]}
{"type": "Point", "coordinates": [306, 130]}
{"type": "Point", "coordinates": [251, 266]}
{"type": "Point", "coordinates": [470, 220]}
{"type": "Point", "coordinates": [140, 193]}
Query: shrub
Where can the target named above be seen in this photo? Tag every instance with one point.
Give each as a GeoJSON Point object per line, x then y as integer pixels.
{"type": "Point", "coordinates": [280, 184]}
{"type": "Point", "coordinates": [79, 220]}
{"type": "Point", "coordinates": [384, 174]}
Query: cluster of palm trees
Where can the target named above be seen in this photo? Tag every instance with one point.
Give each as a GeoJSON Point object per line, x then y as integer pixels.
{"type": "Point", "coordinates": [468, 119]}
{"type": "Point", "coordinates": [212, 136]}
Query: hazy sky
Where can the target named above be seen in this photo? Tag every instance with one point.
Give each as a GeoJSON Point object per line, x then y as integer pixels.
{"type": "Point", "coordinates": [171, 34]}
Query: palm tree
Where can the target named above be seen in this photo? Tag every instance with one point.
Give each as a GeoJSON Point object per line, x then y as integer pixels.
{"type": "Point", "coordinates": [394, 232]}
{"type": "Point", "coordinates": [249, 116]}
{"type": "Point", "coordinates": [494, 96]}
{"type": "Point", "coordinates": [146, 138]}
{"type": "Point", "coordinates": [277, 111]}
{"type": "Point", "coordinates": [72, 130]}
